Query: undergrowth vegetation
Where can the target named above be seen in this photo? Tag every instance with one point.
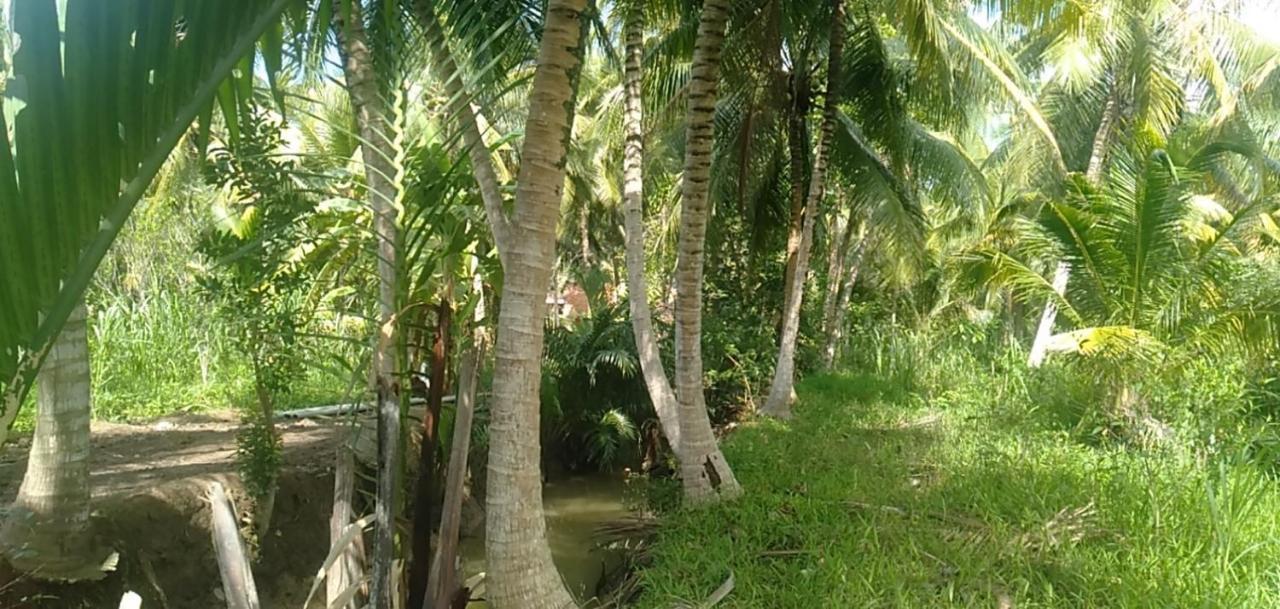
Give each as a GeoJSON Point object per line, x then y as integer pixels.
{"type": "Point", "coordinates": [932, 475]}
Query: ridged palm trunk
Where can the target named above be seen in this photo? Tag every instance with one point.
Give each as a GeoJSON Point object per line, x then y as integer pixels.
{"type": "Point", "coordinates": [782, 390]}
{"type": "Point", "coordinates": [47, 532]}
{"type": "Point", "coordinates": [705, 473]}
{"type": "Point", "coordinates": [373, 122]}
{"type": "Point", "coordinates": [655, 377]}
{"type": "Point", "coordinates": [1062, 274]}
{"type": "Point", "coordinates": [521, 574]}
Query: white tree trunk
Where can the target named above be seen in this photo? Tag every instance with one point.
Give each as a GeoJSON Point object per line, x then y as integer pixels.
{"type": "Point", "coordinates": [1044, 331]}
{"type": "Point", "coordinates": [373, 122]}
{"type": "Point", "coordinates": [348, 569]}
{"type": "Point", "coordinates": [705, 473]}
{"type": "Point", "coordinates": [1062, 274]}
{"type": "Point", "coordinates": [521, 574]}
{"type": "Point", "coordinates": [782, 390]}
{"type": "Point", "coordinates": [47, 532]}
{"type": "Point", "coordinates": [655, 377]}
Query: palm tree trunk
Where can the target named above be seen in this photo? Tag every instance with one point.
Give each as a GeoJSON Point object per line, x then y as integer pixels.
{"type": "Point", "coordinates": [705, 473]}
{"type": "Point", "coordinates": [1044, 331]}
{"type": "Point", "coordinates": [426, 488]}
{"type": "Point", "coordinates": [837, 255]}
{"type": "Point", "coordinates": [655, 377]}
{"type": "Point", "coordinates": [443, 585]}
{"type": "Point", "coordinates": [446, 69]}
{"type": "Point", "coordinates": [782, 391]}
{"type": "Point", "coordinates": [852, 267]}
{"type": "Point", "coordinates": [373, 122]}
{"type": "Point", "coordinates": [1062, 274]}
{"type": "Point", "coordinates": [348, 569]}
{"type": "Point", "coordinates": [798, 144]}
{"type": "Point", "coordinates": [521, 574]}
{"type": "Point", "coordinates": [47, 532]}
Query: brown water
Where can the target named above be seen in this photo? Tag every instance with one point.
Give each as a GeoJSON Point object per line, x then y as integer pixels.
{"type": "Point", "coordinates": [574, 507]}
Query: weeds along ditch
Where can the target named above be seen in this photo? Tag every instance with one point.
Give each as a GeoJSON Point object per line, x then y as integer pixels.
{"type": "Point", "coordinates": [939, 471]}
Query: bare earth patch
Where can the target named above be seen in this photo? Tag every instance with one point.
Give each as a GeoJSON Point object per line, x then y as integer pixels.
{"type": "Point", "coordinates": [149, 482]}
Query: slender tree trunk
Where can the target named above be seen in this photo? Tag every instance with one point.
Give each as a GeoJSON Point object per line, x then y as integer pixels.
{"type": "Point", "coordinates": [238, 586]}
{"type": "Point", "coordinates": [584, 235]}
{"type": "Point", "coordinates": [425, 491]}
{"type": "Point", "coordinates": [1102, 138]}
{"type": "Point", "coordinates": [373, 122]}
{"type": "Point", "coordinates": [839, 252]}
{"type": "Point", "coordinates": [782, 391]}
{"type": "Point", "coordinates": [798, 144]}
{"type": "Point", "coordinates": [443, 585]}
{"type": "Point", "coordinates": [1062, 274]}
{"type": "Point", "coordinates": [265, 503]}
{"type": "Point", "coordinates": [705, 473]}
{"type": "Point", "coordinates": [655, 377]}
{"type": "Point", "coordinates": [1044, 331]}
{"type": "Point", "coordinates": [521, 574]}
{"type": "Point", "coordinates": [482, 167]}
{"type": "Point", "coordinates": [835, 339]}
{"type": "Point", "coordinates": [47, 532]}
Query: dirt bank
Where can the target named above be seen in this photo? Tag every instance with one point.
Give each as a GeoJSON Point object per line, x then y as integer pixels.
{"type": "Point", "coordinates": [149, 486]}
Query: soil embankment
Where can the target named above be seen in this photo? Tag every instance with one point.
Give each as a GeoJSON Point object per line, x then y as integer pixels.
{"type": "Point", "coordinates": [149, 486]}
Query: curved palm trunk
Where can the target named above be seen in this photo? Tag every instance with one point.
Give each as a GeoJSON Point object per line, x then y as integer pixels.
{"type": "Point", "coordinates": [446, 69]}
{"type": "Point", "coordinates": [782, 390]}
{"type": "Point", "coordinates": [655, 378]}
{"type": "Point", "coordinates": [1062, 274]}
{"type": "Point", "coordinates": [373, 121]}
{"type": "Point", "coordinates": [705, 473]}
{"type": "Point", "coordinates": [521, 574]}
{"type": "Point", "coordinates": [47, 532]}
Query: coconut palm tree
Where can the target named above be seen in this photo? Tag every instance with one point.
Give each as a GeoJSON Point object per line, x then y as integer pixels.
{"type": "Point", "coordinates": [47, 532]}
{"type": "Point", "coordinates": [1160, 254]}
{"type": "Point", "coordinates": [85, 142]}
{"type": "Point", "coordinates": [62, 158]}
{"type": "Point", "coordinates": [704, 472]}
{"type": "Point", "coordinates": [521, 573]}
{"type": "Point", "coordinates": [782, 389]}
{"type": "Point", "coordinates": [1128, 70]}
{"type": "Point", "coordinates": [661, 394]}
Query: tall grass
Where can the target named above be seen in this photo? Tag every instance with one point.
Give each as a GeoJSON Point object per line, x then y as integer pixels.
{"type": "Point", "coordinates": [160, 355]}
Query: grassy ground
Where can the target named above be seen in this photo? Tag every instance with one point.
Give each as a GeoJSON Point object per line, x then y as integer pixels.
{"type": "Point", "coordinates": [877, 497]}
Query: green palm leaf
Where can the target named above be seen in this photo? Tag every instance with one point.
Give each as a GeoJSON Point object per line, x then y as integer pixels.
{"type": "Point", "coordinates": [98, 107]}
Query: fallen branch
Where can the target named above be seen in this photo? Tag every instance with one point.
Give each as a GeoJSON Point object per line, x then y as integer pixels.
{"type": "Point", "coordinates": [233, 565]}
{"type": "Point", "coordinates": [715, 598]}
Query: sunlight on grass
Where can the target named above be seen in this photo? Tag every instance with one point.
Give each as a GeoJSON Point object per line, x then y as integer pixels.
{"type": "Point", "coordinates": [877, 498]}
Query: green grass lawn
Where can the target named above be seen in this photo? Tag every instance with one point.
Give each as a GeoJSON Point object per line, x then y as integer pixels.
{"type": "Point", "coordinates": [873, 497]}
